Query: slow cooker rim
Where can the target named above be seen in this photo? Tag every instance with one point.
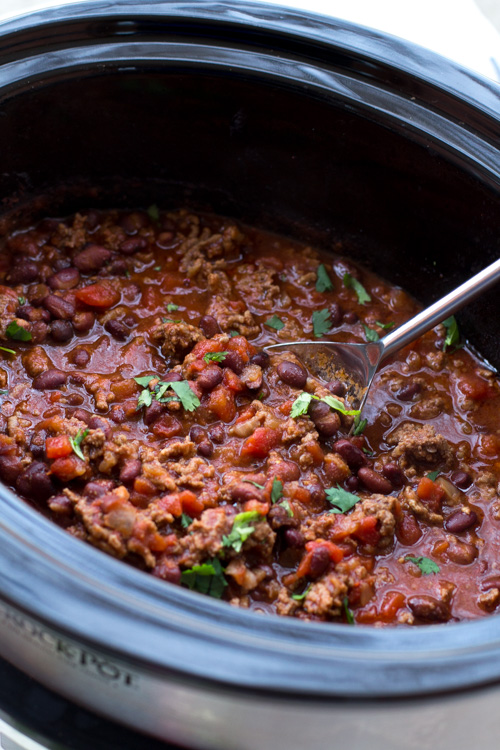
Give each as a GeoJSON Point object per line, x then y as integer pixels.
{"type": "Point", "coordinates": [117, 575]}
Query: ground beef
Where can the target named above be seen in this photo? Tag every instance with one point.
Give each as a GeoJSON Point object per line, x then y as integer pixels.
{"type": "Point", "coordinates": [419, 448]}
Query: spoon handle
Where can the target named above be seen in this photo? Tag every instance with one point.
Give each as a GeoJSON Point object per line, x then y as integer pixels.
{"type": "Point", "coordinates": [440, 310]}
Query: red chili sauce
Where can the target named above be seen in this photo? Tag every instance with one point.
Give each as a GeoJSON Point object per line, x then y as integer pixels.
{"type": "Point", "coordinates": [139, 411]}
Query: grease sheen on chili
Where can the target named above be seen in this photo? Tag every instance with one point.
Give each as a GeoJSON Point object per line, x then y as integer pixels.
{"type": "Point", "coordinates": [141, 414]}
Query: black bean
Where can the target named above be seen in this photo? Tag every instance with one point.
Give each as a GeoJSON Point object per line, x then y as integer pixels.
{"type": "Point", "coordinates": [335, 314]}
{"type": "Point", "coordinates": [24, 272]}
{"type": "Point", "coordinates": [244, 491]}
{"type": "Point", "coordinates": [133, 245]}
{"type": "Point", "coordinates": [60, 263]}
{"type": "Point", "coordinates": [461, 479]}
{"type": "Point", "coordinates": [34, 482]}
{"type": "Point", "coordinates": [350, 317]}
{"type": "Point", "coordinates": [68, 278]}
{"type": "Point", "coordinates": [326, 421]}
{"type": "Point", "coordinates": [460, 520]}
{"type": "Point", "coordinates": [197, 434]}
{"type": "Point", "coordinates": [205, 449]}
{"type": "Point", "coordinates": [10, 468]}
{"type": "Point", "coordinates": [98, 488]}
{"type": "Point", "coordinates": [337, 387]}
{"type": "Point", "coordinates": [80, 356]}
{"type": "Point", "coordinates": [210, 377]}
{"type": "Point", "coordinates": [61, 330]}
{"type": "Point", "coordinates": [429, 608]}
{"type": "Point", "coordinates": [294, 538]}
{"type": "Point", "coordinates": [117, 329]}
{"type": "Point", "coordinates": [394, 474]}
{"type": "Point", "coordinates": [59, 307]}
{"type": "Point", "coordinates": [154, 412]}
{"type": "Point", "coordinates": [209, 326]}
{"type": "Point", "coordinates": [320, 561]}
{"type": "Point", "coordinates": [130, 470]}
{"type": "Point", "coordinates": [352, 483]}
{"type": "Point", "coordinates": [235, 362]}
{"type": "Point", "coordinates": [408, 391]}
{"type": "Point", "coordinates": [217, 433]}
{"type": "Point", "coordinates": [278, 517]}
{"type": "Point", "coordinates": [261, 359]}
{"type": "Point", "coordinates": [50, 379]}
{"type": "Point", "coordinates": [83, 321]}
{"type": "Point", "coordinates": [352, 455]}
{"type": "Point", "coordinates": [292, 374]}
{"type": "Point", "coordinates": [374, 481]}
{"type": "Point", "coordinates": [92, 258]}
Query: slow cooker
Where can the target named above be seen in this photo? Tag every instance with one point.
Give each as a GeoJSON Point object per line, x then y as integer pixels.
{"type": "Point", "coordinates": [313, 128]}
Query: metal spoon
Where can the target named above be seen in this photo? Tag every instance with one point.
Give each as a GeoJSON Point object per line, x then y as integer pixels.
{"type": "Point", "coordinates": [356, 364]}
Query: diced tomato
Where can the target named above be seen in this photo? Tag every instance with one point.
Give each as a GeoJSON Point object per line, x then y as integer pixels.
{"type": "Point", "coordinates": [194, 368]}
{"type": "Point", "coordinates": [191, 504]}
{"type": "Point", "coordinates": [58, 447]}
{"type": "Point", "coordinates": [232, 381]}
{"type": "Point", "coordinates": [334, 552]}
{"type": "Point", "coordinates": [68, 468]}
{"type": "Point", "coordinates": [316, 452]}
{"type": "Point", "coordinates": [242, 346]}
{"type": "Point", "coordinates": [204, 347]}
{"type": "Point", "coordinates": [221, 403]}
{"type": "Point", "coordinates": [123, 389]}
{"type": "Point", "coordinates": [100, 296]}
{"type": "Point", "coordinates": [430, 493]}
{"type": "Point", "coordinates": [7, 446]}
{"type": "Point", "coordinates": [156, 542]}
{"type": "Point", "coordinates": [167, 426]}
{"type": "Point", "coordinates": [261, 442]}
{"type": "Point", "coordinates": [256, 505]}
{"type": "Point", "coordinates": [391, 603]}
{"type": "Point", "coordinates": [367, 531]}
{"type": "Point", "coordinates": [285, 408]}
{"type": "Point", "coordinates": [476, 388]}
{"type": "Point", "coordinates": [302, 495]}
{"type": "Point", "coordinates": [145, 487]}
{"type": "Point", "coordinates": [246, 414]}
{"type": "Point", "coordinates": [171, 504]}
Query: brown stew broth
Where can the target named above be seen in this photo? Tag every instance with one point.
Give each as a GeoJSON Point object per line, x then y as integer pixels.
{"type": "Point", "coordinates": [159, 486]}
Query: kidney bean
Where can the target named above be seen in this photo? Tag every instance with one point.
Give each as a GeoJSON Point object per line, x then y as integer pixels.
{"type": "Point", "coordinates": [461, 553]}
{"type": "Point", "coordinates": [374, 481]}
{"type": "Point", "coordinates": [83, 321]}
{"type": "Point", "coordinates": [197, 434]}
{"type": "Point", "coordinates": [292, 374]}
{"type": "Point", "coordinates": [460, 520]}
{"type": "Point", "coordinates": [352, 455]}
{"type": "Point", "coordinates": [59, 307]}
{"type": "Point", "coordinates": [92, 258]}
{"type": "Point", "coordinates": [117, 329]}
{"type": "Point", "coordinates": [32, 314]}
{"type": "Point", "coordinates": [172, 377]}
{"type": "Point", "coordinates": [320, 561]}
{"type": "Point", "coordinates": [287, 471]}
{"type": "Point", "coordinates": [10, 468]}
{"type": "Point", "coordinates": [394, 474]}
{"type": "Point", "coordinates": [130, 470]}
{"type": "Point", "coordinates": [132, 222]}
{"type": "Point", "coordinates": [34, 482]}
{"type": "Point", "coordinates": [294, 538]}
{"type": "Point", "coordinates": [80, 356]}
{"type": "Point", "coordinates": [209, 326]}
{"type": "Point", "coordinates": [98, 423]}
{"type": "Point", "coordinates": [82, 415]}
{"type": "Point", "coordinates": [242, 492]}
{"type": "Point", "coordinates": [316, 492]}
{"type": "Point", "coordinates": [461, 479]}
{"type": "Point", "coordinates": [335, 314]}
{"type": "Point", "coordinates": [261, 359]}
{"type": "Point", "coordinates": [492, 582]}
{"type": "Point", "coordinates": [98, 488]}
{"type": "Point", "coordinates": [428, 608]}
{"type": "Point", "coordinates": [49, 380]}
{"type": "Point", "coordinates": [210, 377]}
{"type": "Point", "coordinates": [278, 517]}
{"type": "Point", "coordinates": [234, 361]}
{"type": "Point", "coordinates": [117, 267]}
{"type": "Point", "coordinates": [61, 330]}
{"type": "Point", "coordinates": [408, 391]}
{"type": "Point", "coordinates": [352, 483]}
{"type": "Point", "coordinates": [133, 245]}
{"type": "Point", "coordinates": [217, 433]}
{"type": "Point", "coordinates": [337, 387]}
{"type": "Point", "coordinates": [39, 331]}
{"type": "Point", "coordinates": [205, 449]}
{"type": "Point", "coordinates": [327, 422]}
{"type": "Point", "coordinates": [68, 278]}
{"type": "Point", "coordinates": [23, 272]}
{"type": "Point", "coordinates": [350, 317]}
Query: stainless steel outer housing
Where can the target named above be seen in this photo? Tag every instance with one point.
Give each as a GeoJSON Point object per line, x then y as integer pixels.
{"type": "Point", "coordinates": [300, 124]}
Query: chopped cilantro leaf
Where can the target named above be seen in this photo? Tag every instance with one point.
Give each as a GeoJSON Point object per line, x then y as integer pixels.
{"type": "Point", "coordinates": [76, 443]}
{"type": "Point", "coordinates": [171, 320]}
{"type": "Point", "coordinates": [452, 333]}
{"type": "Point", "coordinates": [188, 398]}
{"type": "Point", "coordinates": [157, 268]}
{"type": "Point", "coordinates": [341, 499]}
{"type": "Point", "coordinates": [275, 322]}
{"type": "Point", "coordinates": [426, 565]}
{"type": "Point", "coordinates": [334, 403]}
{"type": "Point", "coordinates": [323, 282]}
{"type": "Point", "coordinates": [299, 597]}
{"type": "Point", "coordinates": [433, 475]}
{"type": "Point", "coordinates": [207, 579]}
{"type": "Point", "coordinates": [186, 520]}
{"type": "Point", "coordinates": [255, 484]}
{"type": "Point", "coordinates": [301, 404]}
{"type": "Point", "coordinates": [182, 390]}
{"type": "Point", "coordinates": [9, 351]}
{"type": "Point", "coordinates": [145, 381]}
{"type": "Point", "coordinates": [370, 334]}
{"type": "Point", "coordinates": [21, 300]}
{"type": "Point", "coordinates": [172, 306]}
{"type": "Point", "coordinates": [154, 213]}
{"type": "Point", "coordinates": [215, 356]}
{"type": "Point", "coordinates": [359, 425]}
{"type": "Point", "coordinates": [321, 322]}
{"type": "Point", "coordinates": [385, 326]}
{"type": "Point", "coordinates": [3, 392]}
{"type": "Point", "coordinates": [351, 283]}
{"type": "Point", "coordinates": [17, 332]}
{"type": "Point", "coordinates": [241, 530]}
{"type": "Point", "coordinates": [276, 490]}
{"type": "Point", "coordinates": [348, 612]}
{"type": "Point", "coordinates": [286, 505]}
{"type": "Point", "coordinates": [233, 334]}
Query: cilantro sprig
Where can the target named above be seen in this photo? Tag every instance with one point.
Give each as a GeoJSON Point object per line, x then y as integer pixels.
{"type": "Point", "coordinates": [452, 333]}
{"type": "Point", "coordinates": [277, 495]}
{"type": "Point", "coordinates": [77, 441]}
{"type": "Point", "coordinates": [16, 332]}
{"type": "Point", "coordinates": [370, 334]}
{"type": "Point", "coordinates": [275, 323]}
{"type": "Point", "coordinates": [207, 578]}
{"type": "Point", "coordinates": [433, 475]}
{"type": "Point", "coordinates": [341, 500]}
{"type": "Point", "coordinates": [154, 213]}
{"type": "Point", "coordinates": [321, 322]}
{"type": "Point", "coordinates": [323, 282]}
{"type": "Point", "coordinates": [172, 306]}
{"type": "Point", "coordinates": [359, 425]}
{"type": "Point", "coordinates": [181, 388]}
{"type": "Point", "coordinates": [426, 565]}
{"type": "Point", "coordinates": [301, 405]}
{"type": "Point", "coordinates": [348, 612]}
{"type": "Point", "coordinates": [9, 351]}
{"type": "Point", "coordinates": [300, 597]}
{"type": "Point", "coordinates": [241, 530]}
{"type": "Point", "coordinates": [215, 356]}
{"type": "Point", "coordinates": [351, 283]}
